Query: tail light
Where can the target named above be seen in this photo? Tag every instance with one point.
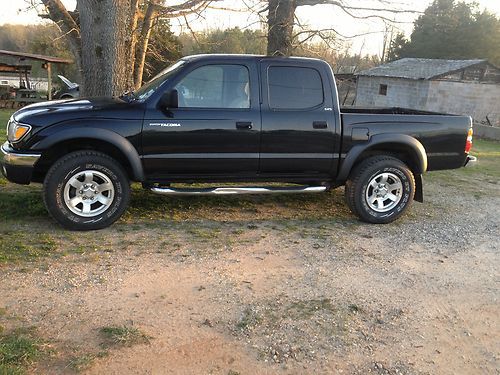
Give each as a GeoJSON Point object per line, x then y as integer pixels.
{"type": "Point", "coordinates": [468, 142]}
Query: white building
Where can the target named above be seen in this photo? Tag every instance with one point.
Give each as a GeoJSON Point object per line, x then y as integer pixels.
{"type": "Point", "coordinates": [464, 87]}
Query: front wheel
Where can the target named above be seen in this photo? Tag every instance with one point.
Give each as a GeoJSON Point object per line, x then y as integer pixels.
{"type": "Point", "coordinates": [380, 189]}
{"type": "Point", "coordinates": [86, 190]}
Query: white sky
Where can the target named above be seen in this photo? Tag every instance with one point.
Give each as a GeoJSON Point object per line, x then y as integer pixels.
{"type": "Point", "coordinates": [317, 17]}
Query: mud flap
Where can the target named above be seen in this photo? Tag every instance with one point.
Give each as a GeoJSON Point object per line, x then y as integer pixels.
{"type": "Point", "coordinates": [419, 188]}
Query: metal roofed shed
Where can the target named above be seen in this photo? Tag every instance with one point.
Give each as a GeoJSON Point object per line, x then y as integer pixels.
{"type": "Point", "coordinates": [46, 60]}
{"type": "Point", "coordinates": [465, 87]}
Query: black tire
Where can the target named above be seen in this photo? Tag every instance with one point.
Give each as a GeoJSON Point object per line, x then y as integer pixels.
{"type": "Point", "coordinates": [106, 171]}
{"type": "Point", "coordinates": [367, 171]}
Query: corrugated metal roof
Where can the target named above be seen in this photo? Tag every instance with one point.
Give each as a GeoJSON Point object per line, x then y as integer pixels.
{"type": "Point", "coordinates": [33, 56]}
{"type": "Point", "coordinates": [415, 68]}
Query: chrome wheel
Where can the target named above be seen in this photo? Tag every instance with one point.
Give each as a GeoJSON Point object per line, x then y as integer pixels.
{"type": "Point", "coordinates": [89, 193]}
{"type": "Point", "coordinates": [384, 192]}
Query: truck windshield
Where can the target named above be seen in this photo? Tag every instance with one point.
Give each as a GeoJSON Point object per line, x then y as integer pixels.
{"type": "Point", "coordinates": [150, 87]}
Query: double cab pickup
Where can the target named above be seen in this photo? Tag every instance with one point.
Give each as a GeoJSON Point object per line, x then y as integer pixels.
{"type": "Point", "coordinates": [261, 124]}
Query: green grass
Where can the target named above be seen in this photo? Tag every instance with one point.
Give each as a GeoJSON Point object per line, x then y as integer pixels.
{"type": "Point", "coordinates": [306, 309]}
{"type": "Point", "coordinates": [4, 117]}
{"type": "Point", "coordinates": [487, 168]}
{"type": "Point", "coordinates": [249, 318]}
{"type": "Point", "coordinates": [123, 336]}
{"type": "Point", "coordinates": [85, 361]}
{"type": "Point", "coordinates": [17, 246]}
{"type": "Point", "coordinates": [21, 204]}
{"type": "Point", "coordinates": [18, 350]}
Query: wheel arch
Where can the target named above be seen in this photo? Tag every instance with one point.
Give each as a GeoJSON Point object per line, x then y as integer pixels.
{"type": "Point", "coordinates": [403, 147]}
{"type": "Point", "coordinates": [102, 140]}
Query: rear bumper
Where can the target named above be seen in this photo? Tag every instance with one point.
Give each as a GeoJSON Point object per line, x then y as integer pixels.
{"type": "Point", "coordinates": [470, 161]}
{"type": "Point", "coordinates": [17, 166]}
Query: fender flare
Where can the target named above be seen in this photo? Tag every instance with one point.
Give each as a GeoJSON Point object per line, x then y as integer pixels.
{"type": "Point", "coordinates": [415, 148]}
{"type": "Point", "coordinates": [99, 134]}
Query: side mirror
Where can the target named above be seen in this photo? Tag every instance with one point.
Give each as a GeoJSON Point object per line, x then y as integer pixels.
{"type": "Point", "coordinates": [170, 100]}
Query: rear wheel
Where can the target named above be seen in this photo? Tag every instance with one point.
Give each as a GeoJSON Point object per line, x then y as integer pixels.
{"type": "Point", "coordinates": [86, 190]}
{"type": "Point", "coordinates": [380, 189]}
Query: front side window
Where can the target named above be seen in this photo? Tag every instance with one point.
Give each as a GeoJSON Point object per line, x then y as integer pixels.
{"type": "Point", "coordinates": [294, 88]}
{"type": "Point", "coordinates": [215, 86]}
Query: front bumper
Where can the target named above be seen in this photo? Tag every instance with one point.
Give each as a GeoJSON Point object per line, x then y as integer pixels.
{"type": "Point", "coordinates": [470, 161]}
{"type": "Point", "coordinates": [17, 166]}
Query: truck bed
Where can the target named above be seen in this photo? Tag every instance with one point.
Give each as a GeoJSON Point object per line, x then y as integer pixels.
{"type": "Point", "coordinates": [443, 136]}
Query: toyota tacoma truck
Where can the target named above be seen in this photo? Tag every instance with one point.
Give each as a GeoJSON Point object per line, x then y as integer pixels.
{"type": "Point", "coordinates": [237, 119]}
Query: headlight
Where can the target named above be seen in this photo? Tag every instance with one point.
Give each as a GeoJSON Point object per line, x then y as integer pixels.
{"type": "Point", "coordinates": [16, 131]}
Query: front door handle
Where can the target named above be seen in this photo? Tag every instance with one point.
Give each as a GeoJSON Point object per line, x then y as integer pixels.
{"type": "Point", "coordinates": [320, 125]}
{"type": "Point", "coordinates": [244, 125]}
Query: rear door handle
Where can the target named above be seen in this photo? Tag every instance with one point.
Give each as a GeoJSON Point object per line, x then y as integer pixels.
{"type": "Point", "coordinates": [244, 125]}
{"type": "Point", "coordinates": [320, 125]}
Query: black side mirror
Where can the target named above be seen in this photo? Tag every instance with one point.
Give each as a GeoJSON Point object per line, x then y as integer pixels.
{"type": "Point", "coordinates": [170, 100]}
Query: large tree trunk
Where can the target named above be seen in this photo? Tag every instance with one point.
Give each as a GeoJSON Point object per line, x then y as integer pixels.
{"type": "Point", "coordinates": [132, 43]}
{"type": "Point", "coordinates": [105, 41]}
{"type": "Point", "coordinates": [280, 21]}
{"type": "Point", "coordinates": [142, 47]}
{"type": "Point", "coordinates": [104, 46]}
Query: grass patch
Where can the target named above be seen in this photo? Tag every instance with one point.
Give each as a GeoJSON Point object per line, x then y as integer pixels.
{"type": "Point", "coordinates": [281, 330]}
{"type": "Point", "coordinates": [4, 118]}
{"type": "Point", "coordinates": [18, 350]}
{"type": "Point", "coordinates": [249, 318]}
{"type": "Point", "coordinates": [19, 246]}
{"type": "Point", "coordinates": [146, 207]}
{"type": "Point", "coordinates": [123, 336]}
{"type": "Point", "coordinates": [487, 168]}
{"type": "Point", "coordinates": [85, 361]}
{"type": "Point", "coordinates": [21, 204]}
{"type": "Point", "coordinates": [306, 309]}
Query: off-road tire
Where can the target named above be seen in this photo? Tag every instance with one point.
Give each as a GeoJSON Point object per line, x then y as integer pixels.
{"type": "Point", "coordinates": [357, 184]}
{"type": "Point", "coordinates": [70, 165]}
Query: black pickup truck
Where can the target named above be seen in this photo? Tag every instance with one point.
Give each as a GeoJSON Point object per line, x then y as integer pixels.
{"type": "Point", "coordinates": [228, 119]}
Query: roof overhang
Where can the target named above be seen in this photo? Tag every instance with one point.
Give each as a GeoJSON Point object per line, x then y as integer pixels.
{"type": "Point", "coordinates": [32, 56]}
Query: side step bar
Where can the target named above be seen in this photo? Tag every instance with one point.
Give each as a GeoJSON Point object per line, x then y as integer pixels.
{"type": "Point", "coordinates": [238, 190]}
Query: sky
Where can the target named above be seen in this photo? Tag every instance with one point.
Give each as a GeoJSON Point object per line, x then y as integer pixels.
{"type": "Point", "coordinates": [316, 17]}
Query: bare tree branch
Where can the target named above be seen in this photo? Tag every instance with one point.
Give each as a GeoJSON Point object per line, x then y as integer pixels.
{"type": "Point", "coordinates": [58, 13]}
{"type": "Point", "coordinates": [343, 6]}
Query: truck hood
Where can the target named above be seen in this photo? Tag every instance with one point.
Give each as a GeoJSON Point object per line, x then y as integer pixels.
{"type": "Point", "coordinates": [49, 113]}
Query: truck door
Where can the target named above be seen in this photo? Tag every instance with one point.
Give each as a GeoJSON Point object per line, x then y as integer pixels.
{"type": "Point", "coordinates": [298, 123]}
{"type": "Point", "coordinates": [214, 131]}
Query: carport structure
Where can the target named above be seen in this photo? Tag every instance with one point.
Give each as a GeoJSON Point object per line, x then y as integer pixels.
{"type": "Point", "coordinates": [47, 62]}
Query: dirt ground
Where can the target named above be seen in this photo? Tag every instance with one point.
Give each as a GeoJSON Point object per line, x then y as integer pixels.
{"type": "Point", "coordinates": [252, 289]}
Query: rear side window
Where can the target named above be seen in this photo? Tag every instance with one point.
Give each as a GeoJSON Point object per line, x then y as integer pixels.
{"type": "Point", "coordinates": [294, 88]}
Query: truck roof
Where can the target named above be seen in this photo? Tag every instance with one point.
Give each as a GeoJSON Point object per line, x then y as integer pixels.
{"type": "Point", "coordinates": [240, 57]}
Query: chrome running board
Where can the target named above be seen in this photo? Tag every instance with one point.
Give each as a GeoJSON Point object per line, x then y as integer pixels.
{"type": "Point", "coordinates": [238, 190]}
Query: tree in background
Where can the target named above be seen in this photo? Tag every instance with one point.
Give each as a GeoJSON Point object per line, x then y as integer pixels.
{"type": "Point", "coordinates": [39, 39]}
{"type": "Point", "coordinates": [115, 36]}
{"type": "Point", "coordinates": [285, 33]}
{"type": "Point", "coordinates": [232, 40]}
{"type": "Point", "coordinates": [451, 30]}
{"type": "Point", "coordinates": [164, 48]}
